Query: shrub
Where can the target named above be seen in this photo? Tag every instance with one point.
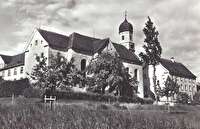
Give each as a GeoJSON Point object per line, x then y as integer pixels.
{"type": "Point", "coordinates": [118, 106]}
{"type": "Point", "coordinates": [102, 107]}
{"type": "Point", "coordinates": [196, 98]}
{"type": "Point", "coordinates": [32, 93]}
{"type": "Point", "coordinates": [182, 98]}
{"type": "Point", "coordinates": [70, 95]}
{"type": "Point", "coordinates": [8, 88]}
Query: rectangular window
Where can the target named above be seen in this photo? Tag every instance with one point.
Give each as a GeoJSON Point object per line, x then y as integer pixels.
{"type": "Point", "coordinates": [3, 73]}
{"type": "Point", "coordinates": [9, 72]}
{"type": "Point", "coordinates": [185, 87]}
{"type": "Point", "coordinates": [36, 42]}
{"type": "Point", "coordinates": [21, 70]}
{"type": "Point", "coordinates": [15, 71]}
{"type": "Point", "coordinates": [122, 37]}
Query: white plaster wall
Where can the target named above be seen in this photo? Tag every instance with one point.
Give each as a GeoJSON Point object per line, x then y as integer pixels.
{"type": "Point", "coordinates": [18, 76]}
{"type": "Point", "coordinates": [1, 63]}
{"type": "Point", "coordinates": [126, 40]}
{"type": "Point", "coordinates": [78, 57]}
{"type": "Point", "coordinates": [187, 85]}
{"type": "Point", "coordinates": [35, 49]}
{"type": "Point", "coordinates": [132, 68]}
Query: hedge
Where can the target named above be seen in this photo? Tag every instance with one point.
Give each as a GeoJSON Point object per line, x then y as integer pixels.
{"type": "Point", "coordinates": [8, 88]}
{"type": "Point", "coordinates": [70, 95]}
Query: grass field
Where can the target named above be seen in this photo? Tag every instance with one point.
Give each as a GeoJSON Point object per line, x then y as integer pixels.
{"type": "Point", "coordinates": [26, 114]}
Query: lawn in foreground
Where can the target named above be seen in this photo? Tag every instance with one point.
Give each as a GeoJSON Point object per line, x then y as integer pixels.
{"type": "Point", "coordinates": [23, 115]}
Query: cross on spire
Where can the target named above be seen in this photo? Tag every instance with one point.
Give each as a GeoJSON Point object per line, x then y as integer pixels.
{"type": "Point", "coordinates": [126, 14]}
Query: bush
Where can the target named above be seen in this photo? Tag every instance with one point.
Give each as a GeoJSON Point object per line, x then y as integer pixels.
{"type": "Point", "coordinates": [70, 95]}
{"type": "Point", "coordinates": [8, 88]}
{"type": "Point", "coordinates": [32, 93]}
{"type": "Point", "coordinates": [102, 107]}
{"type": "Point", "coordinates": [182, 98]}
{"type": "Point", "coordinates": [196, 98]}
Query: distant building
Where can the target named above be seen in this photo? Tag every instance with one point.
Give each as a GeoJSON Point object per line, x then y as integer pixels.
{"type": "Point", "coordinates": [178, 73]}
{"type": "Point", "coordinates": [83, 48]}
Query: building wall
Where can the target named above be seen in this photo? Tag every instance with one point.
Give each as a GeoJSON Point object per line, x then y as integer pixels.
{"type": "Point", "coordinates": [132, 68]}
{"type": "Point", "coordinates": [15, 73]}
{"type": "Point", "coordinates": [36, 47]}
{"type": "Point", "coordinates": [187, 85]}
{"type": "Point", "coordinates": [125, 38]}
{"type": "Point", "coordinates": [1, 65]}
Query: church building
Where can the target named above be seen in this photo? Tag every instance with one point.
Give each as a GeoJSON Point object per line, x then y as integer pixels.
{"type": "Point", "coordinates": [83, 48]}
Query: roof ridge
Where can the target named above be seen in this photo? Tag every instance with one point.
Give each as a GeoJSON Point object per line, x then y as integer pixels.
{"type": "Point", "coordinates": [51, 32]}
{"type": "Point", "coordinates": [85, 36]}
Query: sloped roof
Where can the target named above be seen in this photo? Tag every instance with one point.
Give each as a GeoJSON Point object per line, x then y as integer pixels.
{"type": "Point", "coordinates": [82, 43]}
{"type": "Point", "coordinates": [6, 58]}
{"type": "Point", "coordinates": [177, 69]}
{"type": "Point", "coordinates": [86, 45]}
{"type": "Point", "coordinates": [126, 55]}
{"type": "Point", "coordinates": [55, 40]}
{"type": "Point", "coordinates": [12, 61]}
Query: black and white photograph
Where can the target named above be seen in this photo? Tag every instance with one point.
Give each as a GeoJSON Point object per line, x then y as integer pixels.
{"type": "Point", "coordinates": [99, 64]}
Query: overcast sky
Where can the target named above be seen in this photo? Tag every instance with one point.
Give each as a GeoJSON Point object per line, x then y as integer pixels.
{"type": "Point", "coordinates": [178, 22]}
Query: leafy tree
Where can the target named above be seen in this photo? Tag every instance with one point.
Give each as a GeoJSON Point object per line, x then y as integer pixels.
{"type": "Point", "coordinates": [107, 72]}
{"type": "Point", "coordinates": [152, 48]}
{"type": "Point", "coordinates": [60, 73]}
{"type": "Point", "coordinates": [171, 88]}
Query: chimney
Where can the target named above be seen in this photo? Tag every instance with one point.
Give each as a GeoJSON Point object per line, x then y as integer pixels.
{"type": "Point", "coordinates": [172, 59]}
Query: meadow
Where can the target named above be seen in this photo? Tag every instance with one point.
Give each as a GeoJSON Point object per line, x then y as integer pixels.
{"type": "Point", "coordinates": [26, 114]}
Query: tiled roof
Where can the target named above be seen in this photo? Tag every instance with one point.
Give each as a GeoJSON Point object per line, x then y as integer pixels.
{"type": "Point", "coordinates": [55, 40]}
{"type": "Point", "coordinates": [177, 69]}
{"type": "Point", "coordinates": [12, 61]}
{"type": "Point", "coordinates": [126, 55]}
{"type": "Point", "coordinates": [86, 45]}
{"type": "Point", "coordinates": [83, 44]}
{"type": "Point", "coordinates": [6, 58]}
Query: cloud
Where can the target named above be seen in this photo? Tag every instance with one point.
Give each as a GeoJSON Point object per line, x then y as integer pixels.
{"type": "Point", "coordinates": [176, 20]}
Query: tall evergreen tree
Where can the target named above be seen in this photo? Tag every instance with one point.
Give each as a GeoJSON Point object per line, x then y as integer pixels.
{"type": "Point", "coordinates": [152, 48]}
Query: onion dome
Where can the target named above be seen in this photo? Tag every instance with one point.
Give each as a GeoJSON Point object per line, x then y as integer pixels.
{"type": "Point", "coordinates": [125, 26]}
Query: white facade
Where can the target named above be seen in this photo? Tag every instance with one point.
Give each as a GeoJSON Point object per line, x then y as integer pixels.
{"type": "Point", "coordinates": [36, 47]}
{"type": "Point", "coordinates": [136, 71]}
{"type": "Point", "coordinates": [126, 39]}
{"type": "Point", "coordinates": [15, 73]}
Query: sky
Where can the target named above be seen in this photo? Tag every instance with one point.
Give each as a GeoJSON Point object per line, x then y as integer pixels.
{"type": "Point", "coordinates": [177, 21]}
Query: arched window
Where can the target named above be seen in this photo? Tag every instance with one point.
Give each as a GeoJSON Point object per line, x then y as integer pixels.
{"type": "Point", "coordinates": [83, 64]}
{"type": "Point", "coordinates": [136, 74]}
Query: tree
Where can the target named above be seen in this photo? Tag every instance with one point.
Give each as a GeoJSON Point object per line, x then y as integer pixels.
{"type": "Point", "coordinates": [171, 88]}
{"type": "Point", "coordinates": [152, 48]}
{"type": "Point", "coordinates": [109, 73]}
{"type": "Point", "coordinates": [60, 73]}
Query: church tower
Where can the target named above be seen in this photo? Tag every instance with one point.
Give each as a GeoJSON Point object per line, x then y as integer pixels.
{"type": "Point", "coordinates": [126, 34]}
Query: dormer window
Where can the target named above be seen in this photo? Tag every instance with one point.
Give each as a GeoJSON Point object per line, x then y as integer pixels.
{"type": "Point", "coordinates": [122, 37]}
